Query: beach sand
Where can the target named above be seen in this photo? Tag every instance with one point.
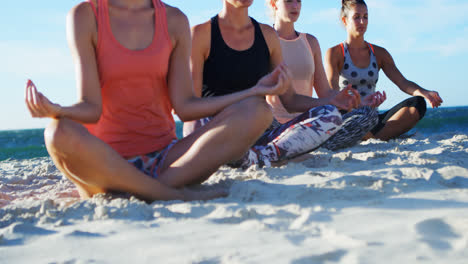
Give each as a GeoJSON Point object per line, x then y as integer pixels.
{"type": "Point", "coordinates": [403, 201]}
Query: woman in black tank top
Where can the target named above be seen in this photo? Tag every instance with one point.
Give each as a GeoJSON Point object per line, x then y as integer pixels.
{"type": "Point", "coordinates": [228, 70]}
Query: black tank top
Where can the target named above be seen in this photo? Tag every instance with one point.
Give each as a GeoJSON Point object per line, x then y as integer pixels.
{"type": "Point", "coordinates": [227, 70]}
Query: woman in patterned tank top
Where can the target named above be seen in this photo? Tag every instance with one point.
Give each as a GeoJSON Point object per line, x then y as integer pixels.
{"type": "Point", "coordinates": [357, 63]}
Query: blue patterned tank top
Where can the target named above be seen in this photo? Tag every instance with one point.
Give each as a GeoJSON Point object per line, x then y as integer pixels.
{"type": "Point", "coordinates": [364, 80]}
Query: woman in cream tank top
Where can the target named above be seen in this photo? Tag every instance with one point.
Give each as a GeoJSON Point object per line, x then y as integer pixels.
{"type": "Point", "coordinates": [298, 55]}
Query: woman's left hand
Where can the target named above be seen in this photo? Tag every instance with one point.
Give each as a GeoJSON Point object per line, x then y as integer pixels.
{"type": "Point", "coordinates": [374, 100]}
{"type": "Point", "coordinates": [433, 97]}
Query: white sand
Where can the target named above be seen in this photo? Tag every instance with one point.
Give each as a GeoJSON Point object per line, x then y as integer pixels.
{"type": "Point", "coordinates": [404, 201]}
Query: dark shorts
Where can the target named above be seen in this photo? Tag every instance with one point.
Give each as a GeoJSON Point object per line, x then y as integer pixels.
{"type": "Point", "coordinates": [417, 101]}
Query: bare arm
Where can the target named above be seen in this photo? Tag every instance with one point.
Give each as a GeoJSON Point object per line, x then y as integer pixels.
{"type": "Point", "coordinates": [321, 85]}
{"type": "Point", "coordinates": [81, 35]}
{"type": "Point", "coordinates": [334, 63]}
{"type": "Point", "coordinates": [185, 100]}
{"type": "Point", "coordinates": [387, 64]}
{"type": "Point", "coordinates": [201, 44]}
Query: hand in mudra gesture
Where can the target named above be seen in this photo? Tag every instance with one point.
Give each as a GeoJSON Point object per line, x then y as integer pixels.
{"type": "Point", "coordinates": [38, 104]}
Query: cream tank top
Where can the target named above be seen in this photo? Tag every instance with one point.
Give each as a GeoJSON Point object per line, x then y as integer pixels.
{"type": "Point", "coordinates": [300, 59]}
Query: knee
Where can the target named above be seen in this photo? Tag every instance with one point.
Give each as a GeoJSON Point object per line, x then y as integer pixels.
{"type": "Point", "coordinates": [59, 134]}
{"type": "Point", "coordinates": [255, 110]}
{"type": "Point", "coordinates": [324, 110]}
{"type": "Point", "coordinates": [260, 110]}
{"type": "Point", "coordinates": [416, 106]}
{"type": "Point", "coordinates": [420, 105]}
{"type": "Point", "coordinates": [333, 110]}
{"type": "Point", "coordinates": [327, 112]}
{"type": "Point", "coordinates": [252, 116]}
{"type": "Point", "coordinates": [260, 107]}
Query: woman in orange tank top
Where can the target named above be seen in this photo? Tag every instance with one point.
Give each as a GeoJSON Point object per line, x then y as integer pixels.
{"type": "Point", "coordinates": [132, 61]}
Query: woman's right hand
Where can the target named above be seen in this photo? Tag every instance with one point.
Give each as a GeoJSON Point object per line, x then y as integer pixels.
{"type": "Point", "coordinates": [374, 100]}
{"type": "Point", "coordinates": [274, 83]}
{"type": "Point", "coordinates": [433, 97]}
{"type": "Point", "coordinates": [38, 105]}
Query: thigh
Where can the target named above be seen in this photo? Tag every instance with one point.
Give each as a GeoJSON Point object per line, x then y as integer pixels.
{"type": "Point", "coordinates": [225, 138]}
{"type": "Point", "coordinates": [356, 124]}
{"type": "Point", "coordinates": [311, 113]}
{"type": "Point", "coordinates": [417, 101]}
{"type": "Point", "coordinates": [182, 146]}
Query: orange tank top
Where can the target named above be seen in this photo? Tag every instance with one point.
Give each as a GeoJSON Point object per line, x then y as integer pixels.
{"type": "Point", "coordinates": [136, 111]}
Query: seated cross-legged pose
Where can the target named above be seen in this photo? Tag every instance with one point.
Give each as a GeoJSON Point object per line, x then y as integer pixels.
{"type": "Point", "coordinates": [132, 61]}
{"type": "Point", "coordinates": [230, 53]}
{"type": "Point", "coordinates": [302, 54]}
{"type": "Point", "coordinates": [357, 63]}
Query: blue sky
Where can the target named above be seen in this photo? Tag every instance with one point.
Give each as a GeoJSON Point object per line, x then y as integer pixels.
{"type": "Point", "coordinates": [427, 38]}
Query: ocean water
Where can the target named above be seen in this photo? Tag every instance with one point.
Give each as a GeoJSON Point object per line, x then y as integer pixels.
{"type": "Point", "coordinates": [29, 143]}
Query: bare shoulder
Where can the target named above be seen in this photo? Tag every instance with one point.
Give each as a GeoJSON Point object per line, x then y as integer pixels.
{"type": "Point", "coordinates": [378, 48]}
{"type": "Point", "coordinates": [177, 24]}
{"type": "Point", "coordinates": [201, 39]}
{"type": "Point", "coordinates": [268, 31]}
{"type": "Point", "coordinates": [311, 38]}
{"type": "Point", "coordinates": [271, 38]}
{"type": "Point", "coordinates": [336, 49]}
{"type": "Point", "coordinates": [313, 43]}
{"type": "Point", "coordinates": [81, 23]}
{"type": "Point", "coordinates": [82, 14]}
{"type": "Point", "coordinates": [175, 17]}
{"type": "Point", "coordinates": [335, 52]}
{"type": "Point", "coordinates": [202, 30]}
{"type": "Point", "coordinates": [381, 52]}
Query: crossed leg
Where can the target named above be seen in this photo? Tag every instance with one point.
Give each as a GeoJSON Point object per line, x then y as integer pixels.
{"type": "Point", "coordinates": [401, 118]}
{"type": "Point", "coordinates": [227, 137]}
{"type": "Point", "coordinates": [401, 122]}
{"type": "Point", "coordinates": [94, 167]}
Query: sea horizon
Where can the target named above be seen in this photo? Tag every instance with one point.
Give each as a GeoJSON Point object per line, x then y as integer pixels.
{"type": "Point", "coordinates": [177, 120]}
{"type": "Point", "coordinates": [29, 143]}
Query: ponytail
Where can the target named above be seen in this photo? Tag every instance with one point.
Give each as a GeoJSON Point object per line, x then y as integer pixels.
{"type": "Point", "coordinates": [271, 9]}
